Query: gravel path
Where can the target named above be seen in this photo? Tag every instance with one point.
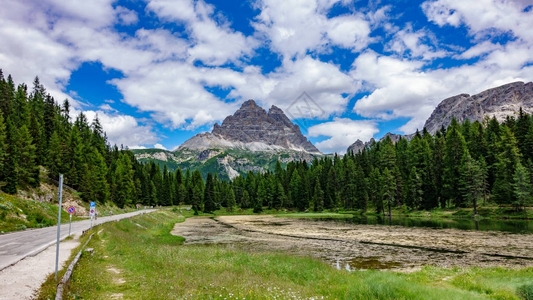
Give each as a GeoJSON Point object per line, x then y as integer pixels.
{"type": "Point", "coordinates": [21, 280]}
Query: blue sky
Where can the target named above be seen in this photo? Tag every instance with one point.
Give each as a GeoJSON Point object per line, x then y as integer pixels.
{"type": "Point", "coordinates": [156, 72]}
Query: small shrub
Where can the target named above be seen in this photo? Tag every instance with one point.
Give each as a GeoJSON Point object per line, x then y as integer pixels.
{"type": "Point", "coordinates": [525, 291]}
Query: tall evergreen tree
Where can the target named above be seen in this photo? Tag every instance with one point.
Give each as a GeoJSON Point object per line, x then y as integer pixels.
{"type": "Point", "coordinates": [209, 195]}
{"type": "Point", "coordinates": [471, 181]}
{"type": "Point", "coordinates": [521, 187]}
{"type": "Point", "coordinates": [507, 158]}
{"type": "Point", "coordinates": [455, 150]}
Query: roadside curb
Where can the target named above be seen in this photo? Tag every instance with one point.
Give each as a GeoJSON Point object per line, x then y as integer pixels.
{"type": "Point", "coordinates": [66, 276]}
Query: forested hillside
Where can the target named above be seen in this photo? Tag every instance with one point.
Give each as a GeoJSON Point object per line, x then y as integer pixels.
{"type": "Point", "coordinates": [35, 130]}
{"type": "Point", "coordinates": [457, 167]}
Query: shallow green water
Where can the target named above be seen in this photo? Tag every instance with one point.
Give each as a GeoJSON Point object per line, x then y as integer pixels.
{"type": "Point", "coordinates": [513, 226]}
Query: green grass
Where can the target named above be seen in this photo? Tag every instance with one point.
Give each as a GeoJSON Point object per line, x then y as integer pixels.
{"type": "Point", "coordinates": [484, 212]}
{"type": "Point", "coordinates": [137, 258]}
{"type": "Point", "coordinates": [19, 214]}
{"type": "Point", "coordinates": [316, 215]}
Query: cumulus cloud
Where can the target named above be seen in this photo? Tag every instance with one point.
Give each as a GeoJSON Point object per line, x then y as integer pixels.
{"type": "Point", "coordinates": [342, 132]}
{"type": "Point", "coordinates": [323, 81]}
{"type": "Point", "coordinates": [168, 74]}
{"type": "Point", "coordinates": [159, 146]}
{"type": "Point", "coordinates": [123, 129]}
{"type": "Point", "coordinates": [205, 33]}
{"type": "Point", "coordinates": [294, 28]}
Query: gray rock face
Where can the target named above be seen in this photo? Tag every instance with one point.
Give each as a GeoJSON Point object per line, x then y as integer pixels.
{"type": "Point", "coordinates": [357, 146]}
{"type": "Point", "coordinates": [499, 102]}
{"type": "Point", "coordinates": [252, 124]}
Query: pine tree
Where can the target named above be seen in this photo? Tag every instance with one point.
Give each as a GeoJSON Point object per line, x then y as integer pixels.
{"type": "Point", "coordinates": [261, 197]}
{"type": "Point", "coordinates": [54, 157]}
{"type": "Point", "coordinates": [415, 192]}
{"type": "Point", "coordinates": [124, 183]}
{"type": "Point", "coordinates": [389, 190]}
{"type": "Point", "coordinates": [375, 190]}
{"type": "Point", "coordinates": [196, 199]}
{"type": "Point", "coordinates": [507, 158]}
{"type": "Point", "coordinates": [209, 195]}
{"type": "Point", "coordinates": [521, 187]}
{"type": "Point", "coordinates": [10, 171]}
{"type": "Point", "coordinates": [231, 200]}
{"type": "Point", "coordinates": [28, 171]}
{"type": "Point", "coordinates": [3, 144]}
{"type": "Point", "coordinates": [318, 197]}
{"type": "Point", "coordinates": [455, 150]}
{"type": "Point", "coordinates": [245, 201]}
{"type": "Point", "coordinates": [471, 181]}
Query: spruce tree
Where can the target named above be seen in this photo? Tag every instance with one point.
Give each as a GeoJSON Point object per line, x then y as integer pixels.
{"type": "Point", "coordinates": [28, 171]}
{"type": "Point", "coordinates": [389, 190]}
{"type": "Point", "coordinates": [454, 152]}
{"type": "Point", "coordinates": [521, 187]}
{"type": "Point", "coordinates": [415, 193]}
{"type": "Point", "coordinates": [507, 158]}
{"type": "Point", "coordinates": [10, 171]}
{"type": "Point", "coordinates": [318, 197]}
{"type": "Point", "coordinates": [261, 197]}
{"type": "Point", "coordinates": [245, 200]}
{"type": "Point", "coordinates": [209, 195]}
{"type": "Point", "coordinates": [3, 144]}
{"type": "Point", "coordinates": [230, 204]}
{"type": "Point", "coordinates": [471, 181]}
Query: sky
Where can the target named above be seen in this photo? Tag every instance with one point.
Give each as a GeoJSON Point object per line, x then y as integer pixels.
{"type": "Point", "coordinates": [157, 72]}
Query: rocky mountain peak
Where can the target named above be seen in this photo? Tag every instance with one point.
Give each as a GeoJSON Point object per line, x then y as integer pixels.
{"type": "Point", "coordinates": [251, 124]}
{"type": "Point", "coordinates": [498, 102]}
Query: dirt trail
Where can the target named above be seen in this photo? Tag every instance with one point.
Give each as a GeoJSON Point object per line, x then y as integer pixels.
{"type": "Point", "coordinates": [353, 246]}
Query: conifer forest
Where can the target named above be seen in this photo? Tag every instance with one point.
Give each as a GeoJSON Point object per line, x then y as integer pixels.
{"type": "Point", "coordinates": [464, 165]}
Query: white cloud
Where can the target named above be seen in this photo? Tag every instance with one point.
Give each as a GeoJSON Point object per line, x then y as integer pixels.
{"type": "Point", "coordinates": [107, 107]}
{"type": "Point", "coordinates": [342, 132]}
{"type": "Point", "coordinates": [482, 16]}
{"type": "Point", "coordinates": [126, 16]}
{"type": "Point", "coordinates": [211, 42]}
{"type": "Point", "coordinates": [350, 32]}
{"type": "Point", "coordinates": [293, 28]}
{"type": "Point", "coordinates": [159, 146]}
{"type": "Point", "coordinates": [415, 44]}
{"type": "Point", "coordinates": [324, 82]}
{"type": "Point", "coordinates": [175, 93]}
{"type": "Point", "coordinates": [123, 129]}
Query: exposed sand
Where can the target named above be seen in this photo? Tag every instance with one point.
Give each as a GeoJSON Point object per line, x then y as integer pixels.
{"type": "Point", "coordinates": [21, 280]}
{"type": "Point", "coordinates": [353, 246]}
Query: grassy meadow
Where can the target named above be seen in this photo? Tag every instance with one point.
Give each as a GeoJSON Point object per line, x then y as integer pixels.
{"type": "Point", "coordinates": [138, 258]}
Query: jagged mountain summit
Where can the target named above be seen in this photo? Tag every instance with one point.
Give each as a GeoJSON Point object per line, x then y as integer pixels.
{"type": "Point", "coordinates": [498, 102]}
{"type": "Point", "coordinates": [252, 128]}
{"type": "Point", "coordinates": [249, 140]}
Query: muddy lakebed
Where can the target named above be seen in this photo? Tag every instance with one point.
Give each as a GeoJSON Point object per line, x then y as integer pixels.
{"type": "Point", "coordinates": [356, 246]}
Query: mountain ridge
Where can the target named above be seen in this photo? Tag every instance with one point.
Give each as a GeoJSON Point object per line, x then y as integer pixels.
{"type": "Point", "coordinates": [251, 139]}
{"type": "Point", "coordinates": [499, 102]}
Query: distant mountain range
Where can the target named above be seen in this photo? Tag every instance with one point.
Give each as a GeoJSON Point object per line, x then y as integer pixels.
{"type": "Point", "coordinates": [249, 140]}
{"type": "Point", "coordinates": [499, 102]}
{"type": "Point", "coordinates": [253, 139]}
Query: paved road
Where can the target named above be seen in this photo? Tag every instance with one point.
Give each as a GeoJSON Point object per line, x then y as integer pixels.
{"type": "Point", "coordinates": [18, 245]}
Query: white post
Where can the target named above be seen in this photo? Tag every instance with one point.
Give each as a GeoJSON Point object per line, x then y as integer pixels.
{"type": "Point", "coordinates": [69, 224]}
{"type": "Point", "coordinates": [59, 219]}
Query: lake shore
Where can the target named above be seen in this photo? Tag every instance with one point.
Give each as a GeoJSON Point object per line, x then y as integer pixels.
{"type": "Point", "coordinates": [353, 246]}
